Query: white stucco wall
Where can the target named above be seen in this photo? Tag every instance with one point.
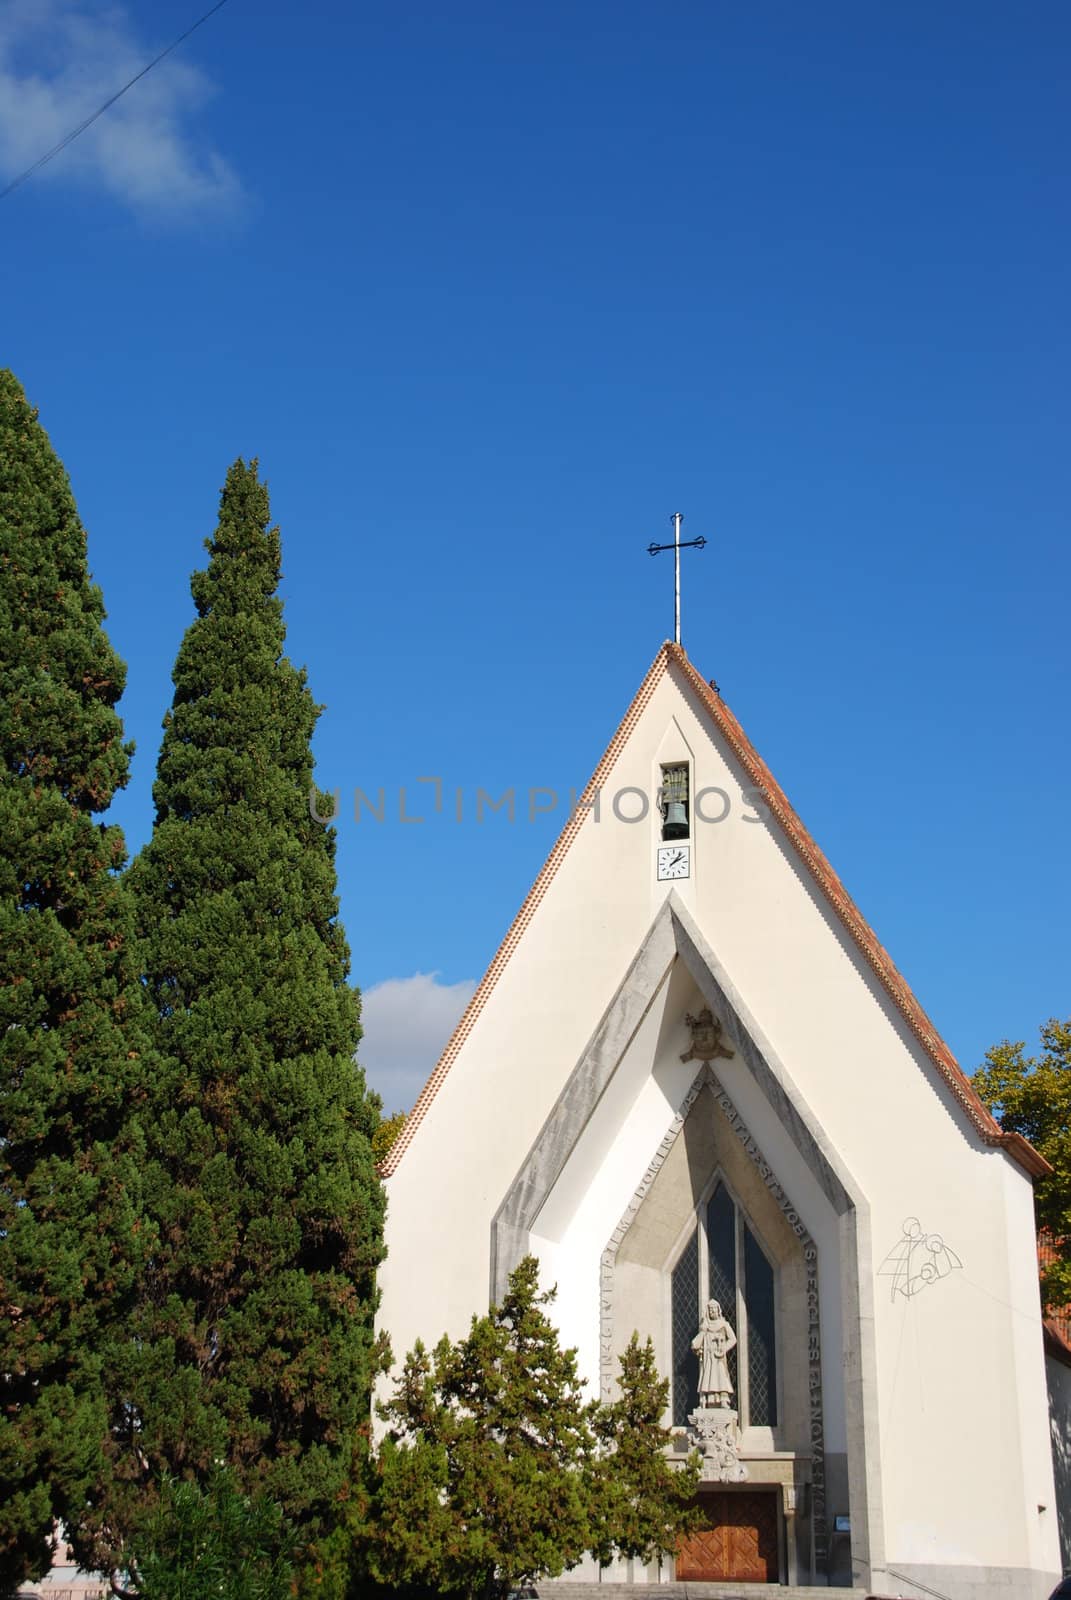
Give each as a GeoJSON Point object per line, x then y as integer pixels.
{"type": "Point", "coordinates": [1058, 1374]}
{"type": "Point", "coordinates": [958, 1367]}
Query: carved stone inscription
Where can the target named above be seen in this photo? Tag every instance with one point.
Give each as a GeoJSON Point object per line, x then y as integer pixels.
{"type": "Point", "coordinates": [609, 1255]}
{"type": "Point", "coordinates": [814, 1336]}
{"type": "Point", "coordinates": [820, 1535]}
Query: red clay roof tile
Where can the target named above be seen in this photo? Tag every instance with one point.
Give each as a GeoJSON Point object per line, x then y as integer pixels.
{"type": "Point", "coordinates": [813, 859]}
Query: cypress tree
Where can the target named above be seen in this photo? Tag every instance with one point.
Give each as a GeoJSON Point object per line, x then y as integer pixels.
{"type": "Point", "coordinates": [255, 1337]}
{"type": "Point", "coordinates": [69, 1005]}
{"type": "Point", "coordinates": [483, 1480]}
{"type": "Point", "coordinates": [643, 1499]}
{"type": "Point", "coordinates": [496, 1471]}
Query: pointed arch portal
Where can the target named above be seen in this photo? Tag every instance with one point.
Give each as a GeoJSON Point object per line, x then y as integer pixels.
{"type": "Point", "coordinates": [673, 937]}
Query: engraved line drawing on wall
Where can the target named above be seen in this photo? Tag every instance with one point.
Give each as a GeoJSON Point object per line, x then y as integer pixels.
{"type": "Point", "coordinates": [916, 1260]}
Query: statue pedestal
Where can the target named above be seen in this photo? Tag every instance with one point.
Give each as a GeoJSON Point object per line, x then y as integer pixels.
{"type": "Point", "coordinates": [713, 1431]}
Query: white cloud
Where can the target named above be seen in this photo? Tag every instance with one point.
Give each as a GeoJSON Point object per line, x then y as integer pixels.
{"type": "Point", "coordinates": [407, 1022]}
{"type": "Point", "coordinates": [59, 60]}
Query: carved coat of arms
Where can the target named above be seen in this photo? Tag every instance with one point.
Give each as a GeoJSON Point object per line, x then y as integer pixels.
{"type": "Point", "coordinates": [706, 1038]}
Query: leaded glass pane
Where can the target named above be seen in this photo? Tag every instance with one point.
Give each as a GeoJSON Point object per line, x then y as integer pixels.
{"type": "Point", "coordinates": [721, 1242]}
{"type": "Point", "coordinates": [685, 1295]}
{"type": "Point", "coordinates": [761, 1347]}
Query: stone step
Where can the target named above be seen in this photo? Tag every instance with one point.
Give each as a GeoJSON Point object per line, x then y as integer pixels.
{"type": "Point", "coordinates": [565, 1589]}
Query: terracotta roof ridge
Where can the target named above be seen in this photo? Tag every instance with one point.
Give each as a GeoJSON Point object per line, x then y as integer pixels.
{"type": "Point", "coordinates": [875, 954]}
{"type": "Point", "coordinates": [524, 916]}
{"type": "Point", "coordinates": [813, 858]}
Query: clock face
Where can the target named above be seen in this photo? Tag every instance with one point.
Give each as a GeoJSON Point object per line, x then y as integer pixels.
{"type": "Point", "coordinates": [674, 861]}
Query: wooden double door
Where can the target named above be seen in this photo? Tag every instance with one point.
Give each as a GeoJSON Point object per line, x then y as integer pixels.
{"type": "Point", "coordinates": [739, 1542]}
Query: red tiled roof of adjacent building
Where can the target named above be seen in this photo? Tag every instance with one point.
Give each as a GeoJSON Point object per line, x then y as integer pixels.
{"type": "Point", "coordinates": [1057, 1323]}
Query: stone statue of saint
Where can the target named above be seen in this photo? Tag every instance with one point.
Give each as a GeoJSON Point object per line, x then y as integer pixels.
{"type": "Point", "coordinates": [713, 1342]}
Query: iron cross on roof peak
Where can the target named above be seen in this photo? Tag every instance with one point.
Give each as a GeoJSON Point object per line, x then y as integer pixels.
{"type": "Point", "coordinates": [677, 546]}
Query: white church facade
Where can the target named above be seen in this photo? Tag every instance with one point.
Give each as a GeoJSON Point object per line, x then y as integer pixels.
{"type": "Point", "coordinates": [693, 1083]}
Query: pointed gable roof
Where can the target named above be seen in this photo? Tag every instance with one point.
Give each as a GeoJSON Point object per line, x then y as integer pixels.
{"type": "Point", "coordinates": [817, 866]}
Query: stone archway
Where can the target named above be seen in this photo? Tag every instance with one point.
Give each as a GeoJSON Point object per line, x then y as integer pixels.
{"type": "Point", "coordinates": [673, 936]}
{"type": "Point", "coordinates": [631, 1274]}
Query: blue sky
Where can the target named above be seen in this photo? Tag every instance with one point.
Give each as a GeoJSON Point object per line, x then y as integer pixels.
{"type": "Point", "coordinates": [491, 290]}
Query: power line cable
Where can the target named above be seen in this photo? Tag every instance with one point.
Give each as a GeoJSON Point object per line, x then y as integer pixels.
{"type": "Point", "coordinates": [82, 126]}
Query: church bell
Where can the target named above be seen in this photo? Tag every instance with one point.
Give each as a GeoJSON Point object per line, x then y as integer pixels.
{"type": "Point", "coordinates": [673, 799]}
{"type": "Point", "coordinates": [676, 823]}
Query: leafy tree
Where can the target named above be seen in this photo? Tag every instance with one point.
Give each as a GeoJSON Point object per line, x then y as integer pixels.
{"type": "Point", "coordinates": [480, 1482]}
{"type": "Point", "coordinates": [386, 1133]}
{"type": "Point", "coordinates": [210, 1543]}
{"type": "Point", "coordinates": [642, 1502]}
{"type": "Point", "coordinates": [70, 1044]}
{"type": "Point", "coordinates": [253, 1344]}
{"type": "Point", "coordinates": [1031, 1095]}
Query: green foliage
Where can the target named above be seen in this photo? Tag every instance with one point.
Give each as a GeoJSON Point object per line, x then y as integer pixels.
{"type": "Point", "coordinates": [496, 1470]}
{"type": "Point", "coordinates": [253, 1342]}
{"type": "Point", "coordinates": [70, 1046]}
{"type": "Point", "coordinates": [385, 1135]}
{"type": "Point", "coordinates": [211, 1543]}
{"type": "Point", "coordinates": [642, 1504]}
{"type": "Point", "coordinates": [480, 1483]}
{"type": "Point", "coordinates": [1031, 1095]}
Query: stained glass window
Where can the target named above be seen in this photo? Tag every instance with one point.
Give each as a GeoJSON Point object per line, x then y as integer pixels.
{"type": "Point", "coordinates": [724, 1261]}
{"type": "Point", "coordinates": [685, 1361]}
{"type": "Point", "coordinates": [761, 1348]}
{"type": "Point", "coordinates": [721, 1243]}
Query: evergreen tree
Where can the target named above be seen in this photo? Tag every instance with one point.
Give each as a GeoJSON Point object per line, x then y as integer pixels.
{"type": "Point", "coordinates": [481, 1482]}
{"type": "Point", "coordinates": [69, 1005]}
{"type": "Point", "coordinates": [643, 1501]}
{"type": "Point", "coordinates": [254, 1343]}
{"type": "Point", "coordinates": [210, 1543]}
